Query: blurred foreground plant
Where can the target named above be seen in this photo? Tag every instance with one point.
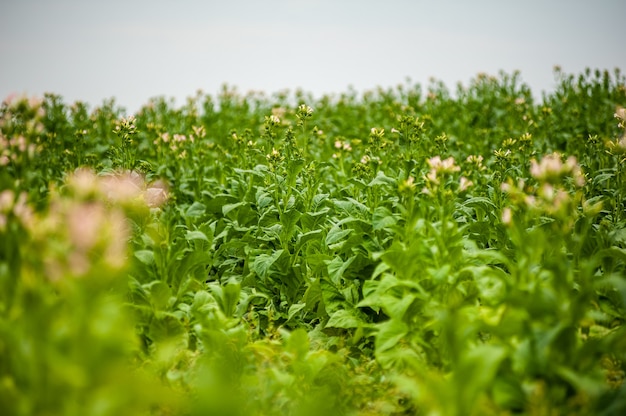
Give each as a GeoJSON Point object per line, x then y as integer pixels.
{"type": "Point", "coordinates": [67, 343]}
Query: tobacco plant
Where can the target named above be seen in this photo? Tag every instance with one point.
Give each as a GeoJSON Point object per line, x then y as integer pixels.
{"type": "Point", "coordinates": [407, 250]}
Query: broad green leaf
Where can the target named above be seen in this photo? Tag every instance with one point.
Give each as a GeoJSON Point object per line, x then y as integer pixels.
{"type": "Point", "coordinates": [196, 235]}
{"type": "Point", "coordinates": [484, 203]}
{"type": "Point", "coordinates": [297, 343]}
{"type": "Point", "coordinates": [593, 384]}
{"type": "Point", "coordinates": [167, 328]}
{"type": "Point", "coordinates": [351, 207]}
{"type": "Point", "coordinates": [491, 287]}
{"type": "Point", "coordinates": [230, 298]}
{"type": "Point", "coordinates": [196, 209]}
{"type": "Point", "coordinates": [619, 236]}
{"type": "Point", "coordinates": [313, 296]}
{"type": "Point", "coordinates": [288, 220]}
{"type": "Point", "coordinates": [160, 294]}
{"type": "Point", "coordinates": [614, 252]}
{"type": "Point", "coordinates": [254, 172]}
{"type": "Point", "coordinates": [230, 207]}
{"type": "Point", "coordinates": [382, 179]}
{"type": "Point", "coordinates": [201, 298]}
{"type": "Point", "coordinates": [337, 267]}
{"type": "Point", "coordinates": [318, 200]}
{"type": "Point", "coordinates": [263, 262]}
{"type": "Point", "coordinates": [343, 319]}
{"type": "Point", "coordinates": [302, 239]}
{"type": "Point", "coordinates": [476, 372]}
{"type": "Point", "coordinates": [263, 199]}
{"type": "Point", "coordinates": [295, 166]}
{"type": "Point", "coordinates": [336, 234]}
{"type": "Point", "coordinates": [145, 256]}
{"type": "Point", "coordinates": [294, 309]}
{"type": "Point", "coordinates": [389, 334]}
{"type": "Point", "coordinates": [383, 218]}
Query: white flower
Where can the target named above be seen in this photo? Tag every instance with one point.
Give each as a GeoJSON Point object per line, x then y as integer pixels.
{"type": "Point", "coordinates": [274, 119]}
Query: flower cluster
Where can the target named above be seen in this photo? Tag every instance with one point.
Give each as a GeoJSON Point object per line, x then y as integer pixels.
{"type": "Point", "coordinates": [273, 120]}
{"type": "Point", "coordinates": [279, 112]}
{"type": "Point", "coordinates": [199, 132]}
{"type": "Point", "coordinates": [407, 186]}
{"type": "Point", "coordinates": [14, 206]}
{"type": "Point", "coordinates": [274, 158]}
{"type": "Point", "coordinates": [88, 222]}
{"type": "Point", "coordinates": [13, 149]}
{"type": "Point", "coordinates": [125, 188]}
{"type": "Point", "coordinates": [377, 138]}
{"type": "Point", "coordinates": [552, 170]}
{"type": "Point", "coordinates": [126, 129]}
{"type": "Point", "coordinates": [618, 146]}
{"type": "Point", "coordinates": [86, 235]}
{"type": "Point", "coordinates": [341, 146]}
{"type": "Point", "coordinates": [440, 171]}
{"type": "Point", "coordinates": [304, 111]}
{"type": "Point", "coordinates": [550, 197]}
{"type": "Point", "coordinates": [439, 167]}
{"type": "Point", "coordinates": [30, 110]}
{"type": "Point", "coordinates": [177, 142]}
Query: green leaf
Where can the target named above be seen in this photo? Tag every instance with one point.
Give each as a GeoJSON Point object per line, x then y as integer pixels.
{"type": "Point", "coordinates": [298, 343]}
{"type": "Point", "coordinates": [160, 294]}
{"type": "Point", "coordinates": [341, 318]}
{"type": "Point", "coordinates": [484, 203]}
{"type": "Point", "coordinates": [294, 309]}
{"type": "Point", "coordinates": [167, 328]}
{"type": "Point", "coordinates": [336, 234]}
{"type": "Point", "coordinates": [313, 297]}
{"type": "Point", "coordinates": [389, 334]}
{"type": "Point", "coordinates": [145, 256]}
{"type": "Point", "coordinates": [619, 236]}
{"type": "Point", "coordinates": [302, 239]}
{"type": "Point", "coordinates": [196, 235]}
{"type": "Point", "coordinates": [613, 252]}
{"type": "Point", "coordinates": [295, 166]}
{"type": "Point", "coordinates": [382, 179]}
{"type": "Point", "coordinates": [383, 218]}
{"type": "Point", "coordinates": [337, 267]}
{"type": "Point", "coordinates": [230, 207]}
{"type": "Point", "coordinates": [288, 220]}
{"type": "Point", "coordinates": [475, 373]}
{"type": "Point", "coordinates": [230, 298]}
{"type": "Point", "coordinates": [263, 199]}
{"type": "Point", "coordinates": [351, 207]}
{"type": "Point", "coordinates": [196, 209]}
{"type": "Point", "coordinates": [201, 298]}
{"type": "Point", "coordinates": [263, 262]}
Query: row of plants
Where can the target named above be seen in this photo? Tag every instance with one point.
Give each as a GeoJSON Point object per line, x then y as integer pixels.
{"type": "Point", "coordinates": [403, 251]}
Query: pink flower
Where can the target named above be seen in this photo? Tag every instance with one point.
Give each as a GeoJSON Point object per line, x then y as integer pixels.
{"type": "Point", "coordinates": [464, 183]}
{"type": "Point", "coordinates": [507, 216]}
{"type": "Point", "coordinates": [156, 194]}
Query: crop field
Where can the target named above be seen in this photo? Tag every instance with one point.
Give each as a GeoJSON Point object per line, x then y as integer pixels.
{"type": "Point", "coordinates": [416, 250]}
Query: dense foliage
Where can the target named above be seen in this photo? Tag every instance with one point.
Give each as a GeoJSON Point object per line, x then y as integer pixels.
{"type": "Point", "coordinates": [401, 251]}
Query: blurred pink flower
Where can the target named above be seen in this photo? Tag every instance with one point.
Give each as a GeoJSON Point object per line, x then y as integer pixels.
{"type": "Point", "coordinates": [156, 194]}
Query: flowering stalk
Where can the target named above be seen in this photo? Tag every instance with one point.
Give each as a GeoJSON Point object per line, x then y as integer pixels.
{"type": "Point", "coordinates": [124, 154]}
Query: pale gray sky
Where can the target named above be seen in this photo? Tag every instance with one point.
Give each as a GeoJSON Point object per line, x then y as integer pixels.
{"type": "Point", "coordinates": [133, 50]}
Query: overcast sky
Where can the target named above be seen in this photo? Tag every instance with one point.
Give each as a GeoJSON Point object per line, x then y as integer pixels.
{"type": "Point", "coordinates": [133, 50]}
